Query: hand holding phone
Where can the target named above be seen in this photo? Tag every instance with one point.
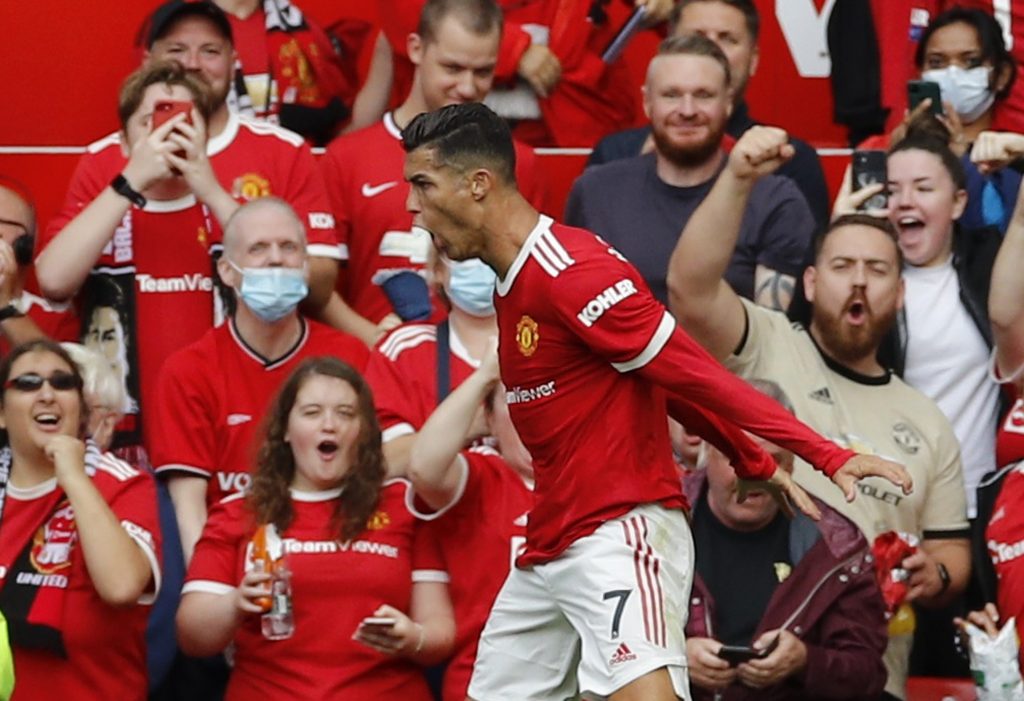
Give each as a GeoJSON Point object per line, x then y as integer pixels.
{"type": "Point", "coordinates": [738, 654]}
{"type": "Point", "coordinates": [869, 168]}
{"type": "Point", "coordinates": [918, 90]}
{"type": "Point", "coordinates": [165, 110]}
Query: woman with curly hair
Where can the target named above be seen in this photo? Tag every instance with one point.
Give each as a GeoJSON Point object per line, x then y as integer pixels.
{"type": "Point", "coordinates": [357, 560]}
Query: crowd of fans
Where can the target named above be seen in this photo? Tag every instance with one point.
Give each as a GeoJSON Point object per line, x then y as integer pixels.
{"type": "Point", "coordinates": [276, 458]}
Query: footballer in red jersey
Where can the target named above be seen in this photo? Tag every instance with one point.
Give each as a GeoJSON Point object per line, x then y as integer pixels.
{"type": "Point", "coordinates": [589, 359]}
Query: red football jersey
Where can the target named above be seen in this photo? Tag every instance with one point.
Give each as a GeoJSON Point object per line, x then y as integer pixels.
{"type": "Point", "coordinates": [251, 160]}
{"type": "Point", "coordinates": [1005, 538]}
{"type": "Point", "coordinates": [585, 354]}
{"type": "Point", "coordinates": [212, 396]}
{"type": "Point", "coordinates": [334, 586]}
{"type": "Point", "coordinates": [106, 645]}
{"type": "Point", "coordinates": [487, 518]}
{"type": "Point", "coordinates": [363, 171]}
{"type": "Point", "coordinates": [402, 371]}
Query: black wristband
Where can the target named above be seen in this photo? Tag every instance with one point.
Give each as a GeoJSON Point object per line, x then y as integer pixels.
{"type": "Point", "coordinates": [123, 188]}
{"type": "Point", "coordinates": [944, 576]}
{"type": "Point", "coordinates": [10, 312]}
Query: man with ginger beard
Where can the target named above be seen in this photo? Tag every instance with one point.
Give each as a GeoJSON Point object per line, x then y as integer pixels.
{"type": "Point", "coordinates": [831, 373]}
{"type": "Point", "coordinates": [638, 204]}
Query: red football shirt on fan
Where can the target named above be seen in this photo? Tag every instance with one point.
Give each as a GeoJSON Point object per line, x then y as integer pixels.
{"type": "Point", "coordinates": [363, 171]}
{"type": "Point", "coordinates": [479, 535]}
{"type": "Point", "coordinates": [402, 371]}
{"type": "Point", "coordinates": [213, 394]}
{"type": "Point", "coordinates": [105, 644]}
{"type": "Point", "coordinates": [334, 586]}
{"type": "Point", "coordinates": [586, 355]}
{"type": "Point", "coordinates": [251, 159]}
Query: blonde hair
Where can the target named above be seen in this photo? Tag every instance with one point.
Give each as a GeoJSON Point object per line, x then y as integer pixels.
{"type": "Point", "coordinates": [99, 383]}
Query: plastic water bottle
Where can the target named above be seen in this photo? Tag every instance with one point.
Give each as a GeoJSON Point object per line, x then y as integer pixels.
{"type": "Point", "coordinates": [278, 623]}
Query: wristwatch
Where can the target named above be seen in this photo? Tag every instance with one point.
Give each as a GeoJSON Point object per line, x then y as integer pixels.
{"type": "Point", "coordinates": [122, 187]}
{"type": "Point", "coordinates": [10, 311]}
{"type": "Point", "coordinates": [944, 577]}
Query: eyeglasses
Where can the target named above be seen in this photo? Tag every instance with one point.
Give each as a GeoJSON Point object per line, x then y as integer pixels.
{"type": "Point", "coordinates": [60, 381]}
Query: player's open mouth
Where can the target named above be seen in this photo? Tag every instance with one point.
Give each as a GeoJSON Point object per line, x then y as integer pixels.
{"type": "Point", "coordinates": [327, 449]}
{"type": "Point", "coordinates": [857, 312]}
{"type": "Point", "coordinates": [909, 224]}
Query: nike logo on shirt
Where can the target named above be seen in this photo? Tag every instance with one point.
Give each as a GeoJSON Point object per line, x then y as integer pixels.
{"type": "Point", "coordinates": [374, 190]}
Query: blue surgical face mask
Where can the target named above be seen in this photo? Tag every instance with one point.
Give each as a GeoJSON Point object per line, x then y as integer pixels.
{"type": "Point", "coordinates": [471, 286]}
{"type": "Point", "coordinates": [272, 293]}
{"type": "Point", "coordinates": [967, 90]}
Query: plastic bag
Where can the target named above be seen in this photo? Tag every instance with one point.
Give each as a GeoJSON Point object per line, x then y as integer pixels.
{"type": "Point", "coordinates": [994, 663]}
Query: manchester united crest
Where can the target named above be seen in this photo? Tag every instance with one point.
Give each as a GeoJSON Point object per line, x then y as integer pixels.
{"type": "Point", "coordinates": [527, 336]}
{"type": "Point", "coordinates": [250, 186]}
{"type": "Point", "coordinates": [378, 520]}
{"type": "Point", "coordinates": [53, 542]}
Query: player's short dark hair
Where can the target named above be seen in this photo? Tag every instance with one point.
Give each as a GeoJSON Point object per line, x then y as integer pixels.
{"type": "Point", "coordinates": [695, 45]}
{"type": "Point", "coordinates": [990, 39]}
{"type": "Point", "coordinates": [465, 137]}
{"type": "Point", "coordinates": [750, 15]}
{"type": "Point", "coordinates": [479, 17]}
{"type": "Point", "coordinates": [859, 219]}
{"type": "Point", "coordinates": [156, 73]}
{"type": "Point", "coordinates": [922, 140]}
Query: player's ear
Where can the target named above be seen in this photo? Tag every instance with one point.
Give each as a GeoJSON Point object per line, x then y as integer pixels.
{"type": "Point", "coordinates": [480, 183]}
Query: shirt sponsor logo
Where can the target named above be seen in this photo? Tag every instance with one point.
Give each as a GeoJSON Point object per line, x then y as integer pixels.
{"type": "Point", "coordinates": [518, 395]}
{"type": "Point", "coordinates": [527, 336]}
{"type": "Point", "coordinates": [595, 308]}
{"type": "Point", "coordinates": [291, 546]}
{"type": "Point", "coordinates": [233, 481]}
{"type": "Point", "coordinates": [321, 220]}
{"type": "Point", "coordinates": [1002, 553]}
{"type": "Point", "coordinates": [374, 190]}
{"type": "Point", "coordinates": [195, 282]}
{"type": "Point", "coordinates": [236, 419]}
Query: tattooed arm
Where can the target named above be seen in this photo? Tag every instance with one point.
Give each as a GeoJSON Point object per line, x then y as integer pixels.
{"type": "Point", "coordinates": [773, 289]}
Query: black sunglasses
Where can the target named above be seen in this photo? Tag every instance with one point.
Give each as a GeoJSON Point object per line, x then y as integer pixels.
{"type": "Point", "coordinates": [60, 381]}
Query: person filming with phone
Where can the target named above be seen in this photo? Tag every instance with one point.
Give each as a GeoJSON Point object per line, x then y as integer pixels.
{"type": "Point", "coordinates": [783, 607]}
{"type": "Point", "coordinates": [144, 246]}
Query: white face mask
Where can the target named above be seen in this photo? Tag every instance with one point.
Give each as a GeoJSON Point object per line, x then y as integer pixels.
{"type": "Point", "coordinates": [966, 90]}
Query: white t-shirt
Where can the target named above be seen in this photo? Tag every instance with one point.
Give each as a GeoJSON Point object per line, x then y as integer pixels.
{"type": "Point", "coordinates": [947, 360]}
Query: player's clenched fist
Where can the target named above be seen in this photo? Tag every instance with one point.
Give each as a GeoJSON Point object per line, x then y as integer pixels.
{"type": "Point", "coordinates": [760, 151]}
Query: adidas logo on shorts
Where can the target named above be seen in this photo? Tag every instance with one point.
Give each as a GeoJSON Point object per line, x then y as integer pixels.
{"type": "Point", "coordinates": [622, 654]}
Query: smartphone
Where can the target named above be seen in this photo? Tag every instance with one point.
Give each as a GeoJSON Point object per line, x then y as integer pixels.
{"type": "Point", "coordinates": [918, 90]}
{"type": "Point", "coordinates": [379, 621]}
{"type": "Point", "coordinates": [737, 654]}
{"type": "Point", "coordinates": [869, 168]}
{"type": "Point", "coordinates": [163, 110]}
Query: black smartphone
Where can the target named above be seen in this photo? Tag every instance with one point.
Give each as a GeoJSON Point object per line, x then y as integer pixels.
{"type": "Point", "coordinates": [737, 654]}
{"type": "Point", "coordinates": [918, 90]}
{"type": "Point", "coordinates": [868, 169]}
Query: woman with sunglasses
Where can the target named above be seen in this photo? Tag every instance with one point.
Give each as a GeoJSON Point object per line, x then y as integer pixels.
{"type": "Point", "coordinates": [78, 537]}
{"type": "Point", "coordinates": [367, 604]}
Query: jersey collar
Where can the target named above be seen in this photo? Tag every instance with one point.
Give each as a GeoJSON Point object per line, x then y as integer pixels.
{"type": "Point", "coordinates": [503, 286]}
{"type": "Point", "coordinates": [391, 127]}
{"type": "Point", "coordinates": [269, 364]}
{"type": "Point", "coordinates": [216, 144]}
